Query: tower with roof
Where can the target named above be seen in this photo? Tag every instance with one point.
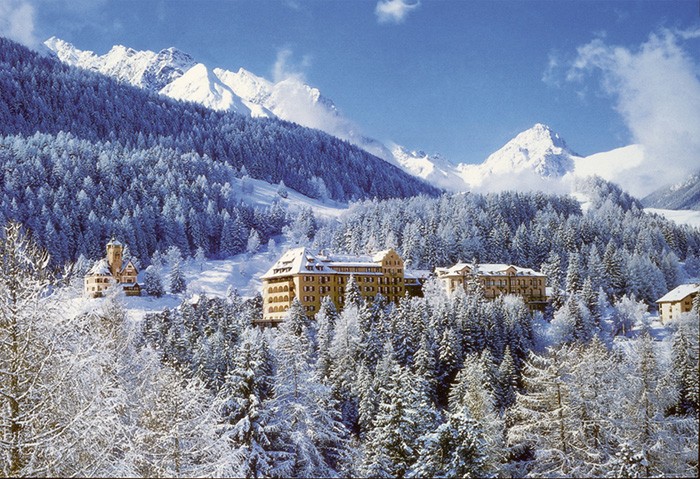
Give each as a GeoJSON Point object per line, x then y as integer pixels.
{"type": "Point", "coordinates": [112, 270]}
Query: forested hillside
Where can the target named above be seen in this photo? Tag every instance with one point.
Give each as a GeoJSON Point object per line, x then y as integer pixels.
{"type": "Point", "coordinates": [72, 194]}
{"type": "Point", "coordinates": [614, 244]}
{"type": "Point", "coordinates": [39, 94]}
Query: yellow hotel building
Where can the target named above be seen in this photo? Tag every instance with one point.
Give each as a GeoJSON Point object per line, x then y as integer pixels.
{"type": "Point", "coordinates": [309, 277]}
{"type": "Point", "coordinates": [499, 279]}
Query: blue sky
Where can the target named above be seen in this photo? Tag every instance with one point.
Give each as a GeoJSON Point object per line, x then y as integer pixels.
{"type": "Point", "coordinates": [454, 77]}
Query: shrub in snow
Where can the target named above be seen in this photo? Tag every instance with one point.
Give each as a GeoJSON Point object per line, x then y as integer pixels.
{"type": "Point", "coordinates": [282, 190]}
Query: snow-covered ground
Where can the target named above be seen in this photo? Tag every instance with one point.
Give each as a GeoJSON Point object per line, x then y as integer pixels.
{"type": "Point", "coordinates": [681, 217]}
{"type": "Point", "coordinates": [265, 194]}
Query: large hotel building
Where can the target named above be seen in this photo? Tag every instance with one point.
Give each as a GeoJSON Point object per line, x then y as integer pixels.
{"type": "Point", "coordinates": [497, 280]}
{"type": "Point", "coordinates": [310, 277]}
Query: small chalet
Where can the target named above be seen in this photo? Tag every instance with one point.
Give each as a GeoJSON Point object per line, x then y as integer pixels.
{"type": "Point", "coordinates": [111, 270]}
{"type": "Point", "coordinates": [677, 301]}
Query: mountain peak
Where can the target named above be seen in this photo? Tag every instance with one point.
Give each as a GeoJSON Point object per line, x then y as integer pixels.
{"type": "Point", "coordinates": [541, 135]}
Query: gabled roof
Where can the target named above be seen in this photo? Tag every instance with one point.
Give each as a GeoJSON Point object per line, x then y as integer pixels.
{"type": "Point", "coordinates": [126, 265]}
{"type": "Point", "coordinates": [295, 261]}
{"type": "Point", "coordinates": [380, 255]}
{"type": "Point", "coordinates": [301, 260]}
{"type": "Point", "coordinates": [100, 268]}
{"type": "Point", "coordinates": [487, 269]}
{"type": "Point", "coordinates": [679, 293]}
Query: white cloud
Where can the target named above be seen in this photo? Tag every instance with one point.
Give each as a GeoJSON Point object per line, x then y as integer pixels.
{"type": "Point", "coordinates": [284, 67]}
{"type": "Point", "coordinates": [17, 21]}
{"type": "Point", "coordinates": [656, 89]}
{"type": "Point", "coordinates": [394, 11]}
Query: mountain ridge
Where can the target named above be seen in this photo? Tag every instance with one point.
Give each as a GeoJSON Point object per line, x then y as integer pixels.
{"type": "Point", "coordinates": [536, 158]}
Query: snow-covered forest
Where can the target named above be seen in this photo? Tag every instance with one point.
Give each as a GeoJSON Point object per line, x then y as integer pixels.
{"type": "Point", "coordinates": [436, 386]}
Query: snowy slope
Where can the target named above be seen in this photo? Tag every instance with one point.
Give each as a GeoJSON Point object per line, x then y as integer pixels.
{"type": "Point", "coordinates": [540, 159]}
{"type": "Point", "coordinates": [681, 217]}
{"type": "Point", "coordinates": [433, 168]}
{"type": "Point", "coordinates": [178, 76]}
{"type": "Point", "coordinates": [682, 195]}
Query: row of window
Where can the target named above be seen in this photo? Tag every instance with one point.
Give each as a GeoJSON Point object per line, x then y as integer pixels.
{"type": "Point", "coordinates": [277, 309]}
{"type": "Point", "coordinates": [278, 299]}
{"type": "Point", "coordinates": [278, 289]}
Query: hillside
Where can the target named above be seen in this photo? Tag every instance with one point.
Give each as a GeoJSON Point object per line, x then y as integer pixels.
{"type": "Point", "coordinates": [39, 94]}
{"type": "Point", "coordinates": [681, 196]}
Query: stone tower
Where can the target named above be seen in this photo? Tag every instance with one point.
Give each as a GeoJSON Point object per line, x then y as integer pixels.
{"type": "Point", "coordinates": [114, 257]}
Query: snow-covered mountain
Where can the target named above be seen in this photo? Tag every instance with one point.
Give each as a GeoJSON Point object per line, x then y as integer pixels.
{"type": "Point", "coordinates": [680, 196]}
{"type": "Point", "coordinates": [177, 75]}
{"type": "Point", "coordinates": [540, 159]}
{"type": "Point", "coordinates": [435, 169]}
{"type": "Point", "coordinates": [144, 69]}
{"type": "Point", "coordinates": [536, 159]}
{"type": "Point", "coordinates": [534, 155]}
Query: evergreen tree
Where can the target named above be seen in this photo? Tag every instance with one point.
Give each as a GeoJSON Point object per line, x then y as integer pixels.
{"type": "Point", "coordinates": [176, 279]}
{"type": "Point", "coordinates": [391, 446]}
{"type": "Point", "coordinates": [454, 449]}
{"type": "Point", "coordinates": [152, 282]}
{"type": "Point", "coordinates": [244, 410]}
{"type": "Point", "coordinates": [543, 419]}
{"type": "Point", "coordinates": [253, 242]}
{"type": "Point", "coordinates": [305, 414]}
{"type": "Point", "coordinates": [574, 280]}
{"type": "Point", "coordinates": [325, 330]}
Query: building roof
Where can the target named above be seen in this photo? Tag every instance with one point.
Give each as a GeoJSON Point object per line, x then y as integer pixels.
{"type": "Point", "coordinates": [126, 265]}
{"type": "Point", "coordinates": [114, 242]}
{"type": "Point", "coordinates": [487, 269]}
{"type": "Point", "coordinates": [679, 293]}
{"type": "Point", "coordinates": [416, 273]}
{"type": "Point", "coordinates": [100, 268]}
{"type": "Point", "coordinates": [295, 261]}
{"type": "Point", "coordinates": [301, 261]}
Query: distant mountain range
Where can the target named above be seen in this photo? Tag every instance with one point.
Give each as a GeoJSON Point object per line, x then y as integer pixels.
{"type": "Point", "coordinates": [536, 159]}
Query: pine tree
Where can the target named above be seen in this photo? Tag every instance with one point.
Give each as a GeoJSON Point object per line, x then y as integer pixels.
{"type": "Point", "coordinates": [574, 280]}
{"type": "Point", "coordinates": [176, 279]}
{"type": "Point", "coordinates": [345, 360]}
{"type": "Point", "coordinates": [472, 396]}
{"type": "Point", "coordinates": [668, 444]}
{"type": "Point", "coordinates": [542, 416]}
{"type": "Point", "coordinates": [685, 359]}
{"type": "Point", "coordinates": [305, 414]}
{"type": "Point", "coordinates": [253, 241]}
{"type": "Point", "coordinates": [152, 282]}
{"type": "Point", "coordinates": [454, 449]}
{"type": "Point", "coordinates": [507, 385]}
{"type": "Point", "coordinates": [244, 410]}
{"type": "Point", "coordinates": [391, 446]}
{"type": "Point", "coordinates": [325, 330]}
